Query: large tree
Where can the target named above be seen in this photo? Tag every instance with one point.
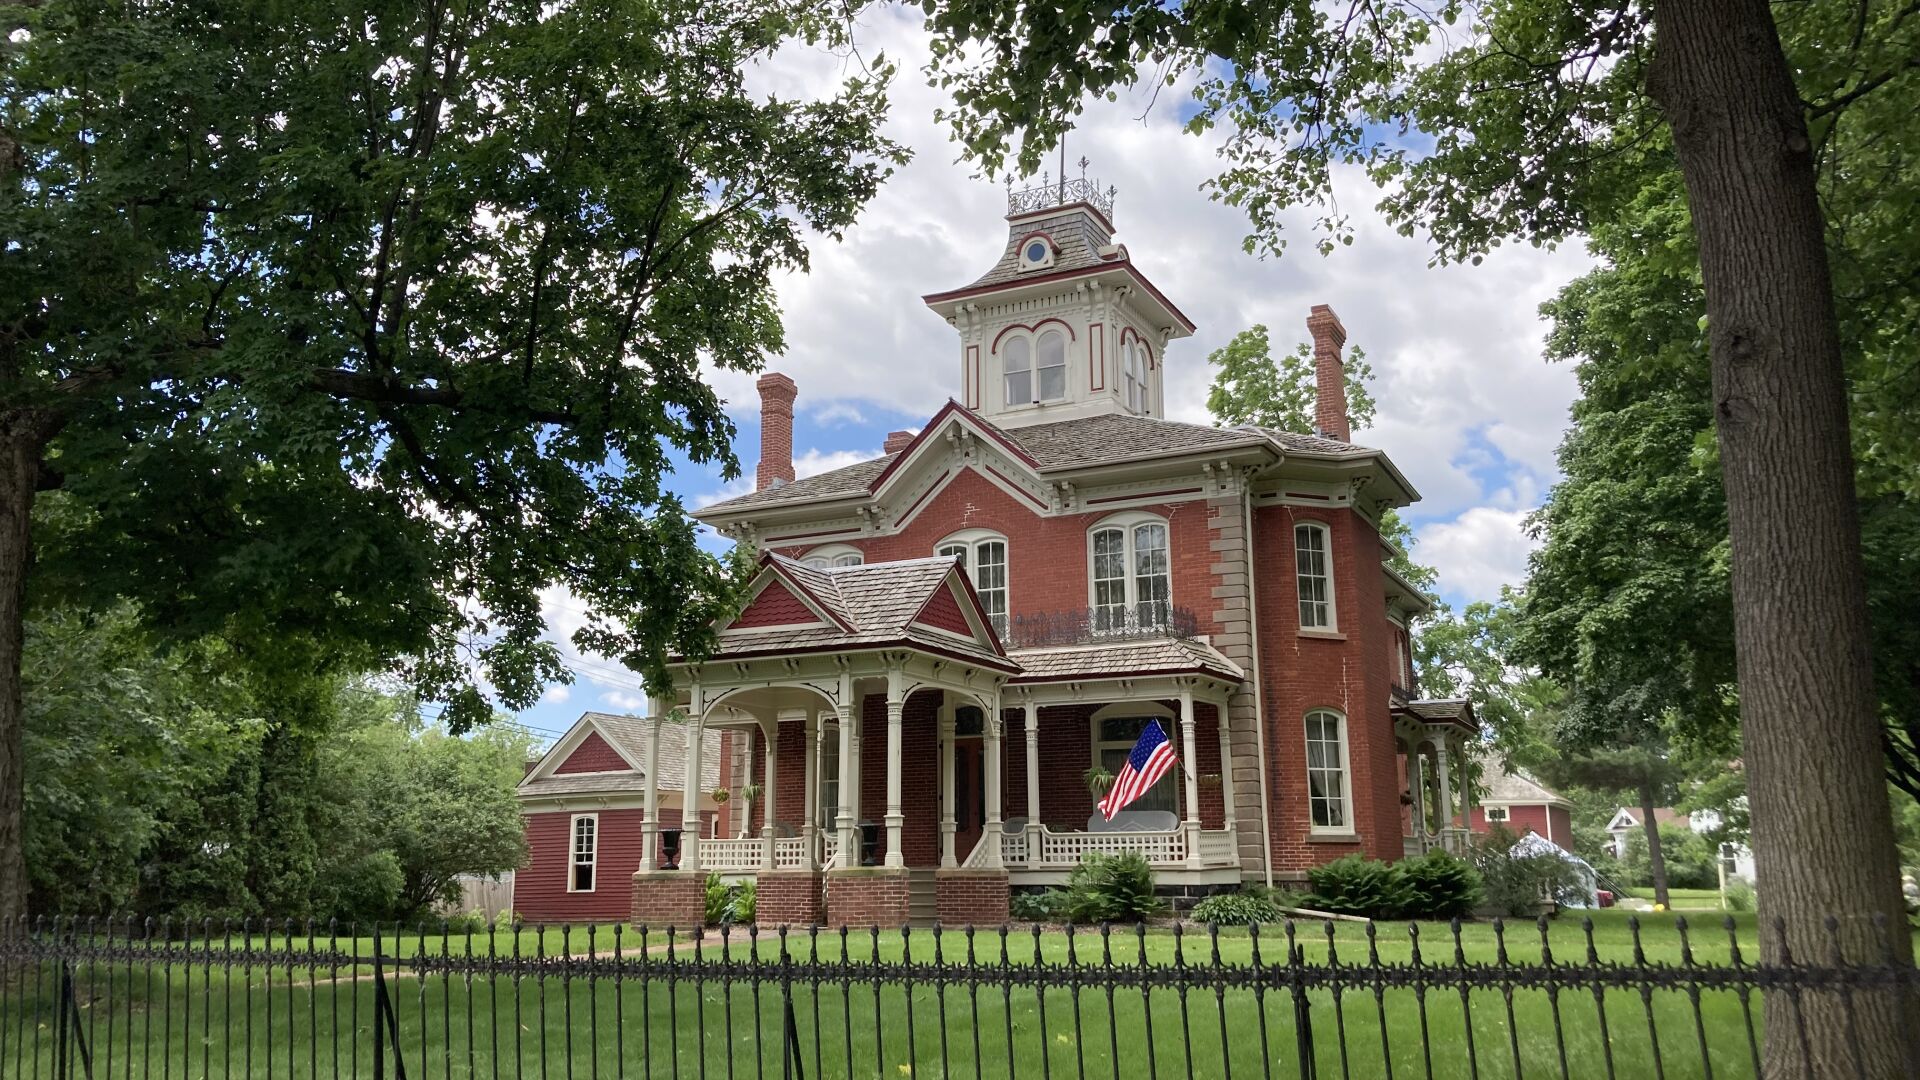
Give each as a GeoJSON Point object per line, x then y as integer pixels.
{"type": "Point", "coordinates": [1537, 120]}
{"type": "Point", "coordinates": [346, 329]}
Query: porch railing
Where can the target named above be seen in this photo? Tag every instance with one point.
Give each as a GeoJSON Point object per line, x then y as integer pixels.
{"type": "Point", "coordinates": [745, 855]}
{"type": "Point", "coordinates": [1044, 849]}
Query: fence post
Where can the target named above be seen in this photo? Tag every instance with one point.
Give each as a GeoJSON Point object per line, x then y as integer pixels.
{"type": "Point", "coordinates": [384, 1021]}
{"type": "Point", "coordinates": [1302, 1016]}
{"type": "Point", "coordinates": [792, 1066]}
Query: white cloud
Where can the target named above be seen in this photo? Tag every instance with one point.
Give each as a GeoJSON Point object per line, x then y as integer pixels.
{"type": "Point", "coordinates": [1477, 552]}
{"type": "Point", "coordinates": [557, 694]}
{"type": "Point", "coordinates": [814, 462]}
{"type": "Point", "coordinates": [621, 701]}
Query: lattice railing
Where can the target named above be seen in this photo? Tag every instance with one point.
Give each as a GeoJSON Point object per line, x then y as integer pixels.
{"type": "Point", "coordinates": [722, 856]}
{"type": "Point", "coordinates": [789, 853]}
{"type": "Point", "coordinates": [1066, 849]}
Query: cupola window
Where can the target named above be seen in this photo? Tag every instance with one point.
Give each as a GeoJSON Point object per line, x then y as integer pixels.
{"type": "Point", "coordinates": [1036, 253]}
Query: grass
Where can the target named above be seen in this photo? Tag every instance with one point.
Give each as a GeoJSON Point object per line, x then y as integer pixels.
{"type": "Point", "coordinates": [253, 1022]}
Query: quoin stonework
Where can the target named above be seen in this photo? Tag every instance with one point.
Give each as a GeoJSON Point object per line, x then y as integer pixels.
{"type": "Point", "coordinates": [946, 645]}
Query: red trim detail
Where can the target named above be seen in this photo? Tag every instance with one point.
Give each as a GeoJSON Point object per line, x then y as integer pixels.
{"type": "Point", "coordinates": [1092, 209]}
{"type": "Point", "coordinates": [933, 425]}
{"type": "Point", "coordinates": [823, 611]}
{"type": "Point", "coordinates": [1096, 357]}
{"type": "Point", "coordinates": [774, 605]}
{"type": "Point", "coordinates": [1130, 332]}
{"type": "Point", "coordinates": [1143, 495]}
{"type": "Point", "coordinates": [960, 584]}
{"type": "Point", "coordinates": [1017, 489]}
{"type": "Point", "coordinates": [1034, 329]}
{"type": "Point", "coordinates": [1053, 246]}
{"type": "Point", "coordinates": [942, 612]}
{"type": "Point", "coordinates": [1066, 275]}
{"type": "Point", "coordinates": [593, 755]}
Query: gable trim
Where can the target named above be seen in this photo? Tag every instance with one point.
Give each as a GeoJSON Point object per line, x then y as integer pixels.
{"type": "Point", "coordinates": [959, 413]}
{"type": "Point", "coordinates": [772, 571]}
{"type": "Point", "coordinates": [560, 751]}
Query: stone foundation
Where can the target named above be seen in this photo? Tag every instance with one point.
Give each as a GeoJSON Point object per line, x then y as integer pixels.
{"type": "Point", "coordinates": [972, 897]}
{"type": "Point", "coordinates": [669, 898]}
{"type": "Point", "coordinates": [788, 897]}
{"type": "Point", "coordinates": [867, 896]}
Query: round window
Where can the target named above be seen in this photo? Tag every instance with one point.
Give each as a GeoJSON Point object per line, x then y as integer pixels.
{"type": "Point", "coordinates": [1037, 251]}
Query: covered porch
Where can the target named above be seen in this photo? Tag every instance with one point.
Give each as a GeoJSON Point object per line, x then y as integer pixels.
{"type": "Point", "coordinates": [1433, 737]}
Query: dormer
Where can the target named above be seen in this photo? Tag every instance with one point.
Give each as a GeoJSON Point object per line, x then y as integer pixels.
{"type": "Point", "coordinates": [1063, 325]}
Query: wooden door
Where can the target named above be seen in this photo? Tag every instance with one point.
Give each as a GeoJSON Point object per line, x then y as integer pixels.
{"type": "Point", "coordinates": [969, 797]}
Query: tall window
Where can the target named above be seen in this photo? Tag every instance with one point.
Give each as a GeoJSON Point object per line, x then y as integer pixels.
{"type": "Point", "coordinates": [1130, 582]}
{"type": "Point", "coordinates": [1113, 739]}
{"type": "Point", "coordinates": [1052, 347]}
{"type": "Point", "coordinates": [1019, 368]}
{"type": "Point", "coordinates": [984, 558]}
{"type": "Point", "coordinates": [1327, 794]}
{"type": "Point", "coordinates": [1133, 374]}
{"type": "Point", "coordinates": [830, 778]}
{"type": "Point", "coordinates": [1313, 571]}
{"type": "Point", "coordinates": [586, 847]}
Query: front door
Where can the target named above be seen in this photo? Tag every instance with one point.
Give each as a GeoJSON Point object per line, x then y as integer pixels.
{"type": "Point", "coordinates": [969, 797]}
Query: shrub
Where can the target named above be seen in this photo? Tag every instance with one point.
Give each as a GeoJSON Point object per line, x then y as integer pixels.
{"type": "Point", "coordinates": [1040, 907]}
{"type": "Point", "coordinates": [1439, 886]}
{"type": "Point", "coordinates": [719, 900]}
{"type": "Point", "coordinates": [1516, 885]}
{"type": "Point", "coordinates": [1354, 885]}
{"type": "Point", "coordinates": [1740, 895]}
{"type": "Point", "coordinates": [1111, 888]}
{"type": "Point", "coordinates": [746, 902]}
{"type": "Point", "coordinates": [1237, 908]}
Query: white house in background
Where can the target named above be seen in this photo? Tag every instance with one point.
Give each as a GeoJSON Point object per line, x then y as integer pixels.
{"type": "Point", "coordinates": [1626, 821]}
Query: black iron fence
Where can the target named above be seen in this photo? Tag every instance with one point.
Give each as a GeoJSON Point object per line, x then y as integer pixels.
{"type": "Point", "coordinates": [120, 998]}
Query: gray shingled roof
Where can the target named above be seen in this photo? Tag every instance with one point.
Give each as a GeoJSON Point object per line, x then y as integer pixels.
{"type": "Point", "coordinates": [1309, 444]}
{"type": "Point", "coordinates": [877, 600]}
{"type": "Point", "coordinates": [848, 480]}
{"type": "Point", "coordinates": [629, 734]}
{"type": "Point", "coordinates": [1438, 711]}
{"type": "Point", "coordinates": [1498, 785]}
{"type": "Point", "coordinates": [1077, 237]}
{"type": "Point", "coordinates": [1142, 657]}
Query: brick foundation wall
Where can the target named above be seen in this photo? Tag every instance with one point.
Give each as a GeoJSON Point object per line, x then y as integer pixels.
{"type": "Point", "coordinates": [663, 899]}
{"type": "Point", "coordinates": [972, 897]}
{"type": "Point", "coordinates": [869, 896]}
{"type": "Point", "coordinates": [788, 897]}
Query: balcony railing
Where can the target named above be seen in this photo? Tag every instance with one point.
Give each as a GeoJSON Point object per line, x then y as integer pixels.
{"type": "Point", "coordinates": [1083, 626]}
{"type": "Point", "coordinates": [1059, 193]}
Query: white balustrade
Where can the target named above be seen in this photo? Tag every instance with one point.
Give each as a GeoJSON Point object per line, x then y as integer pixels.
{"type": "Point", "coordinates": [789, 852]}
{"type": "Point", "coordinates": [730, 856]}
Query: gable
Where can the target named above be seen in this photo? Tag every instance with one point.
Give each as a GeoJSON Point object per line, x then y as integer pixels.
{"type": "Point", "coordinates": [775, 606]}
{"type": "Point", "coordinates": [594, 754]}
{"type": "Point", "coordinates": [943, 612]}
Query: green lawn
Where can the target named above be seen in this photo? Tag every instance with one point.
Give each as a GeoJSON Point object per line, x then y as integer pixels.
{"type": "Point", "coordinates": [196, 1022]}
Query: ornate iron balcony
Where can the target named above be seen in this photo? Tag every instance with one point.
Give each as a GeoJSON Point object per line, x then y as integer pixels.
{"type": "Point", "coordinates": [1059, 193]}
{"type": "Point", "coordinates": [1085, 626]}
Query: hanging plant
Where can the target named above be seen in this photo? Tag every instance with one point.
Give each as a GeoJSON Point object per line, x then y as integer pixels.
{"type": "Point", "coordinates": [750, 794]}
{"type": "Point", "coordinates": [1210, 780]}
{"type": "Point", "coordinates": [721, 795]}
{"type": "Point", "coordinates": [1099, 781]}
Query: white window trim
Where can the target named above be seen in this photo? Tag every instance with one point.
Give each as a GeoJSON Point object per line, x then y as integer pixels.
{"type": "Point", "coordinates": [1032, 338]}
{"type": "Point", "coordinates": [1137, 710]}
{"type": "Point", "coordinates": [1126, 523]}
{"type": "Point", "coordinates": [1346, 776]}
{"type": "Point", "coordinates": [1506, 815]}
{"type": "Point", "coordinates": [1332, 625]}
{"type": "Point", "coordinates": [1043, 263]}
{"type": "Point", "coordinates": [573, 840]}
{"type": "Point", "coordinates": [971, 539]}
{"type": "Point", "coordinates": [830, 555]}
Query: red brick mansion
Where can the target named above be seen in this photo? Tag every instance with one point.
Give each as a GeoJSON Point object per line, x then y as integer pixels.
{"type": "Point", "coordinates": [947, 647]}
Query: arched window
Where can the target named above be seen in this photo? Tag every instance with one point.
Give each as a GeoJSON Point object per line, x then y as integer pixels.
{"type": "Point", "coordinates": [983, 555]}
{"type": "Point", "coordinates": [1115, 730]}
{"type": "Point", "coordinates": [1133, 375]}
{"type": "Point", "coordinates": [1329, 789]}
{"type": "Point", "coordinates": [830, 555]}
{"type": "Point", "coordinates": [1313, 571]}
{"type": "Point", "coordinates": [1130, 587]}
{"type": "Point", "coordinates": [1052, 347]}
{"type": "Point", "coordinates": [1019, 368]}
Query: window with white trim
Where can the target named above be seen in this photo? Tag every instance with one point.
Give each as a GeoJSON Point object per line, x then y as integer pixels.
{"type": "Point", "coordinates": [1313, 571]}
{"type": "Point", "coordinates": [585, 850]}
{"type": "Point", "coordinates": [983, 556]}
{"type": "Point", "coordinates": [1113, 739]}
{"type": "Point", "coordinates": [1496, 815]}
{"type": "Point", "coordinates": [1131, 586]}
{"type": "Point", "coordinates": [1017, 360]}
{"type": "Point", "coordinates": [1129, 379]}
{"type": "Point", "coordinates": [1329, 789]}
{"type": "Point", "coordinates": [1051, 350]}
{"type": "Point", "coordinates": [1034, 367]}
{"type": "Point", "coordinates": [821, 558]}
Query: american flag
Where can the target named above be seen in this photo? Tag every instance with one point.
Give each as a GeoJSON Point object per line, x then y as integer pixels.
{"type": "Point", "coordinates": [1152, 756]}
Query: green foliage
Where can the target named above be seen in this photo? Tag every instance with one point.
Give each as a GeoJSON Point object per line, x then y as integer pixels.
{"type": "Point", "coordinates": [719, 900]}
{"type": "Point", "coordinates": [746, 901]}
{"type": "Point", "coordinates": [1111, 889]}
{"type": "Point", "coordinates": [1740, 896]}
{"type": "Point", "coordinates": [1439, 886]}
{"type": "Point", "coordinates": [1516, 885]}
{"type": "Point", "coordinates": [1691, 859]}
{"type": "Point", "coordinates": [1237, 908]}
{"type": "Point", "coordinates": [1250, 387]}
{"type": "Point", "coordinates": [1049, 906]}
{"type": "Point", "coordinates": [1357, 885]}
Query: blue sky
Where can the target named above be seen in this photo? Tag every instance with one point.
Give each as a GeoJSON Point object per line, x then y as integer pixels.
{"type": "Point", "coordinates": [1468, 409]}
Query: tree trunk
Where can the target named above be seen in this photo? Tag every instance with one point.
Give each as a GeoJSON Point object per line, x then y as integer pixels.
{"type": "Point", "coordinates": [1822, 829]}
{"type": "Point", "coordinates": [20, 449]}
{"type": "Point", "coordinates": [1656, 858]}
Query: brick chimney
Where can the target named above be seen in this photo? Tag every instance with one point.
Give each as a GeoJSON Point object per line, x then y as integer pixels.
{"type": "Point", "coordinates": [1329, 381]}
{"type": "Point", "coordinates": [776, 431]}
{"type": "Point", "coordinates": [896, 441]}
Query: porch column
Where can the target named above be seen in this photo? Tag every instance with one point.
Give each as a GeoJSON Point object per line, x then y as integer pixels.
{"type": "Point", "coordinates": [1033, 782]}
{"type": "Point", "coordinates": [810, 793]}
{"type": "Point", "coordinates": [896, 819]}
{"type": "Point", "coordinates": [739, 778]}
{"type": "Point", "coordinates": [1446, 785]}
{"type": "Point", "coordinates": [947, 827]}
{"type": "Point", "coordinates": [767, 788]}
{"type": "Point", "coordinates": [849, 787]}
{"type": "Point", "coordinates": [1226, 765]}
{"type": "Point", "coordinates": [650, 824]}
{"type": "Point", "coordinates": [1190, 778]}
{"type": "Point", "coordinates": [1465, 792]}
{"type": "Point", "coordinates": [690, 797]}
{"type": "Point", "coordinates": [990, 750]}
{"type": "Point", "coordinates": [1417, 787]}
